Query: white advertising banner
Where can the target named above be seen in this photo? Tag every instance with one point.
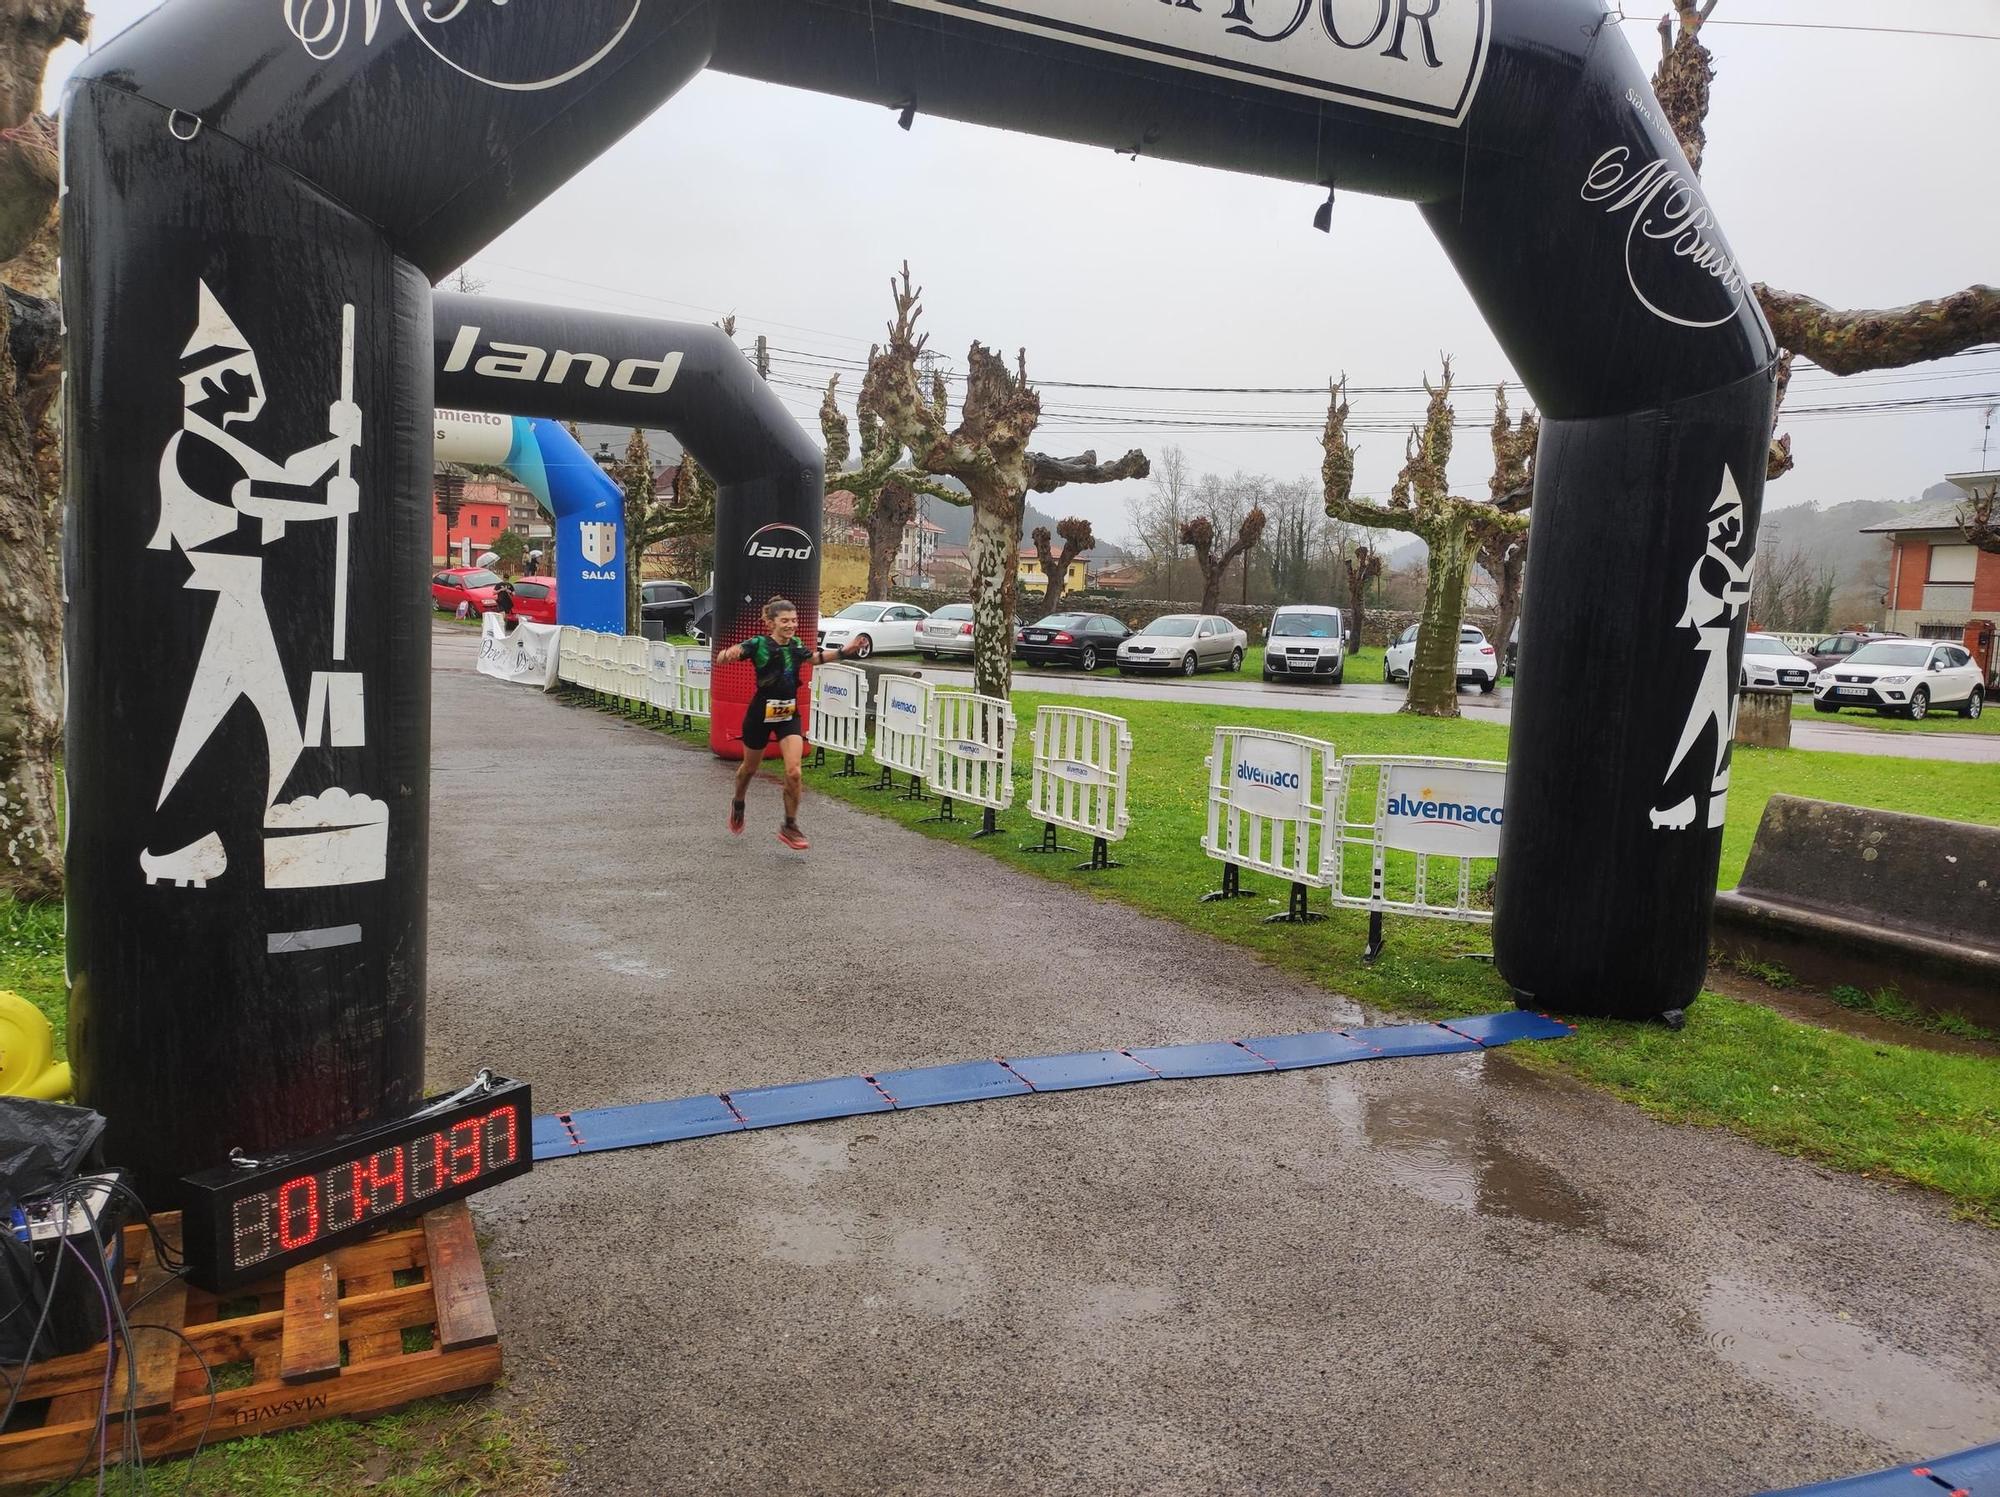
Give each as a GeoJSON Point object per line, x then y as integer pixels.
{"type": "Point", "coordinates": [840, 709]}
{"type": "Point", "coordinates": [1267, 777]}
{"type": "Point", "coordinates": [842, 691]}
{"type": "Point", "coordinates": [1456, 812]}
{"type": "Point", "coordinates": [903, 725]}
{"type": "Point", "coordinates": [528, 654]}
{"type": "Point", "coordinates": [697, 681]}
{"type": "Point", "coordinates": [1080, 766]}
{"type": "Point", "coordinates": [1421, 58]}
{"type": "Point", "coordinates": [471, 437]}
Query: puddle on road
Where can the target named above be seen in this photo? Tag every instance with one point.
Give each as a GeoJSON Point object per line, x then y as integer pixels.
{"type": "Point", "coordinates": [802, 1158]}
{"type": "Point", "coordinates": [1844, 1373]}
{"type": "Point", "coordinates": [809, 1239]}
{"type": "Point", "coordinates": [1445, 1145]}
{"type": "Point", "coordinates": [932, 1270]}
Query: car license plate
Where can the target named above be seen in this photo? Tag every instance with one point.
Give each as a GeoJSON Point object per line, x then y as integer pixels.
{"type": "Point", "coordinates": [1037, 639]}
{"type": "Point", "coordinates": [1851, 691]}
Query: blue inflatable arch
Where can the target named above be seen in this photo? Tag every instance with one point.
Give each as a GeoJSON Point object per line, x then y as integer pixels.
{"type": "Point", "coordinates": [587, 508]}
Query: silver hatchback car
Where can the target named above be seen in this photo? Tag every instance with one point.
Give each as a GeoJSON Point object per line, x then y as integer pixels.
{"type": "Point", "coordinates": [1184, 643]}
{"type": "Point", "coordinates": [946, 632]}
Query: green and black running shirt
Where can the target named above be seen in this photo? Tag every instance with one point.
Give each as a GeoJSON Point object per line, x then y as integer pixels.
{"type": "Point", "coordinates": [777, 666]}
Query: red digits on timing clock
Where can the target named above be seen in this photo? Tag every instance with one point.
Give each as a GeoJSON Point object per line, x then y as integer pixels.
{"type": "Point", "coordinates": [464, 1151]}
{"type": "Point", "coordinates": [298, 1212]}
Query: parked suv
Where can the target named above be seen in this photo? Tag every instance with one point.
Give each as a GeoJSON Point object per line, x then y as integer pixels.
{"type": "Point", "coordinates": [1905, 678]}
{"type": "Point", "coordinates": [1835, 648]}
{"type": "Point", "coordinates": [1306, 643]}
{"type": "Point", "coordinates": [1477, 664]}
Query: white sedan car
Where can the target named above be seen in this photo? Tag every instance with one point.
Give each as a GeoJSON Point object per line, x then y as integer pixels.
{"type": "Point", "coordinates": [877, 628]}
{"type": "Point", "coordinates": [1903, 677]}
{"type": "Point", "coordinates": [1477, 664]}
{"type": "Point", "coordinates": [1769, 661]}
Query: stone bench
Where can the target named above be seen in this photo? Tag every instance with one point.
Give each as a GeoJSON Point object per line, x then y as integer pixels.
{"type": "Point", "coordinates": [1872, 899]}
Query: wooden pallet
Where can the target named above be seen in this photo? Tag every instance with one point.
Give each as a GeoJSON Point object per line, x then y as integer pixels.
{"type": "Point", "coordinates": [324, 1340]}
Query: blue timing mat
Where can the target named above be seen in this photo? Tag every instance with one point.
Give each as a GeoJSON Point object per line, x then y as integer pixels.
{"type": "Point", "coordinates": [1970, 1473]}
{"type": "Point", "coordinates": [598, 1129]}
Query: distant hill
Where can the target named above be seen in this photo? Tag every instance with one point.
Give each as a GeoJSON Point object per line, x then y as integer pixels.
{"type": "Point", "coordinates": [1833, 536]}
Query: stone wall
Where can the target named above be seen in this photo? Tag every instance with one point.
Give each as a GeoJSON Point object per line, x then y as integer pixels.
{"type": "Point", "coordinates": [843, 577]}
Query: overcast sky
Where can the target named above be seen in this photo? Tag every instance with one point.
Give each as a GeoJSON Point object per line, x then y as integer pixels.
{"type": "Point", "coordinates": [1854, 166]}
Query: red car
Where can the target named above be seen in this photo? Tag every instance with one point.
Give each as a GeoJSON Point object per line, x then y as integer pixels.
{"type": "Point", "coordinates": [535, 599]}
{"type": "Point", "coordinates": [456, 585]}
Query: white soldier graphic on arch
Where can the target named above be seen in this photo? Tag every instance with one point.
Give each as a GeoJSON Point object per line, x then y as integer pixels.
{"type": "Point", "coordinates": [335, 837]}
{"type": "Point", "coordinates": [1718, 590]}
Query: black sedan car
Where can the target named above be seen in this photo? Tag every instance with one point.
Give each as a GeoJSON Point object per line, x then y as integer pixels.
{"type": "Point", "coordinates": [1081, 639]}
{"type": "Point", "coordinates": [672, 604]}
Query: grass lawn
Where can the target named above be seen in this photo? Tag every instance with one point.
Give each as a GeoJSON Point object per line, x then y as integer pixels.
{"type": "Point", "coordinates": [1940, 720]}
{"type": "Point", "coordinates": [432, 1449]}
{"type": "Point", "coordinates": [1881, 1109]}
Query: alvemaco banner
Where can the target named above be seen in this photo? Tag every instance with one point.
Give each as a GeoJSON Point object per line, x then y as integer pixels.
{"type": "Point", "coordinates": [526, 655]}
{"type": "Point", "coordinates": [1268, 777]}
{"type": "Point", "coordinates": [1456, 812]}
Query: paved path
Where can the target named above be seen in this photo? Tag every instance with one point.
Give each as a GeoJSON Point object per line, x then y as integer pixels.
{"type": "Point", "coordinates": [1846, 736]}
{"type": "Point", "coordinates": [1444, 1275]}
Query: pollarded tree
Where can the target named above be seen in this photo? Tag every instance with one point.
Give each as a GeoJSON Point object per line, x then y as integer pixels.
{"type": "Point", "coordinates": [1979, 517]}
{"type": "Point", "coordinates": [649, 515]}
{"type": "Point", "coordinates": [1362, 565]}
{"type": "Point", "coordinates": [987, 452]}
{"type": "Point", "coordinates": [30, 450]}
{"type": "Point", "coordinates": [1420, 504]}
{"type": "Point", "coordinates": [1198, 535]}
{"type": "Point", "coordinates": [884, 487]}
{"type": "Point", "coordinates": [688, 527]}
{"type": "Point", "coordinates": [1503, 552]}
{"type": "Point", "coordinates": [1840, 342]}
{"type": "Point", "coordinates": [1077, 539]}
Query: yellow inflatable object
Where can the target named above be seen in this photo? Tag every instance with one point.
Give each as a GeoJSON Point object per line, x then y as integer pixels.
{"type": "Point", "coordinates": [28, 1064]}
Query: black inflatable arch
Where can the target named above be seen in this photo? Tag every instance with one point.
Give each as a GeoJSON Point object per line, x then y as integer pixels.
{"type": "Point", "coordinates": [518, 359]}
{"type": "Point", "coordinates": [259, 194]}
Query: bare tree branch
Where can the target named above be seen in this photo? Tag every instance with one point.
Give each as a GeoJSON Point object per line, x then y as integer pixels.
{"type": "Point", "coordinates": [1852, 342]}
{"type": "Point", "coordinates": [1979, 518]}
{"type": "Point", "coordinates": [1077, 538]}
{"type": "Point", "coordinates": [1048, 474]}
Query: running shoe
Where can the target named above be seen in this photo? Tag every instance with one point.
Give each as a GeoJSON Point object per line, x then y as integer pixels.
{"type": "Point", "coordinates": [792, 837]}
{"type": "Point", "coordinates": [736, 817]}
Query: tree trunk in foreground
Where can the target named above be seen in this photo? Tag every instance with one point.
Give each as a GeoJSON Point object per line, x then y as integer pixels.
{"type": "Point", "coordinates": [1434, 671]}
{"type": "Point", "coordinates": [996, 538]}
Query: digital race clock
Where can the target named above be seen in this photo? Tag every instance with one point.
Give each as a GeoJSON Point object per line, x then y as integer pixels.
{"type": "Point", "coordinates": [253, 1217]}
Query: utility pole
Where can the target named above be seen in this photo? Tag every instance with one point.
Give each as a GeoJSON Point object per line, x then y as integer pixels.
{"type": "Point", "coordinates": [763, 358]}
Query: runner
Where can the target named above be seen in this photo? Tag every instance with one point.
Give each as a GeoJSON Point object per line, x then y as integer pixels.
{"type": "Point", "coordinates": [774, 710]}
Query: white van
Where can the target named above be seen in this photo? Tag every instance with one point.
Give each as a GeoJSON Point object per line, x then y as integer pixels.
{"type": "Point", "coordinates": [1306, 642]}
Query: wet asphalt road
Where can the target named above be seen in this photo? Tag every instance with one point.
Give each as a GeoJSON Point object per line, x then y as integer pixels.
{"type": "Point", "coordinates": [1846, 735]}
{"type": "Point", "coordinates": [1443, 1275]}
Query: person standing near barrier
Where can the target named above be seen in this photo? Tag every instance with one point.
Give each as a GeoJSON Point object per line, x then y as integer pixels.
{"type": "Point", "coordinates": [778, 657]}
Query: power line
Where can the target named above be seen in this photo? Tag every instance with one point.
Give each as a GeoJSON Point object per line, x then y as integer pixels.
{"type": "Point", "coordinates": [1968, 36]}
